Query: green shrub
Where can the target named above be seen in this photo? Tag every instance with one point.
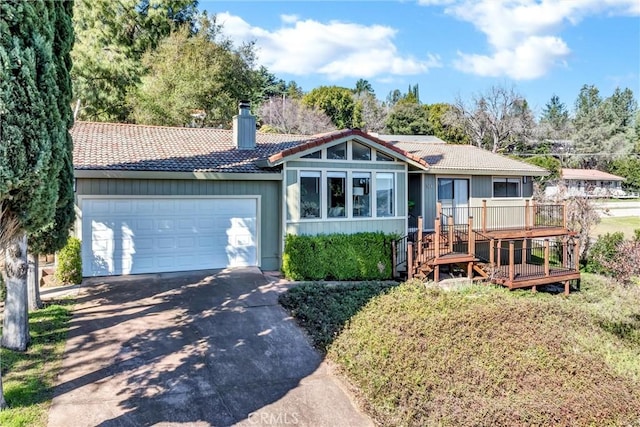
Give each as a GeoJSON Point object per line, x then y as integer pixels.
{"type": "Point", "coordinates": [360, 256]}
{"type": "Point", "coordinates": [636, 234]}
{"type": "Point", "coordinates": [605, 247]}
{"type": "Point", "coordinates": [69, 269]}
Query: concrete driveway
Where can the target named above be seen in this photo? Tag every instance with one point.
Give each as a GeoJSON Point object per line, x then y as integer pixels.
{"type": "Point", "coordinates": [198, 349]}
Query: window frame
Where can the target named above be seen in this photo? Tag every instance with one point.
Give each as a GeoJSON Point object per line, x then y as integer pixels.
{"type": "Point", "coordinates": [506, 180]}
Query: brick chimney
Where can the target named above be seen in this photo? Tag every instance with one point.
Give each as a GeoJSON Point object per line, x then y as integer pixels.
{"type": "Point", "coordinates": [244, 128]}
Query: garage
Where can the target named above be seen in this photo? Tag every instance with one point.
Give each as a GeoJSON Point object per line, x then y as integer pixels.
{"type": "Point", "coordinates": [133, 235]}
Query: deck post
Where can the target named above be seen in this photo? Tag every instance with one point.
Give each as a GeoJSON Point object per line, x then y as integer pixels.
{"type": "Point", "coordinates": [394, 257]}
{"type": "Point", "coordinates": [492, 253]}
{"type": "Point", "coordinates": [565, 253]}
{"type": "Point", "coordinates": [409, 260]}
{"type": "Point", "coordinates": [534, 289]}
{"type": "Point", "coordinates": [470, 270]}
{"type": "Point", "coordinates": [524, 251]}
{"type": "Point", "coordinates": [527, 208]}
{"type": "Point", "coordinates": [472, 238]}
{"type": "Point", "coordinates": [438, 209]}
{"type": "Point", "coordinates": [419, 243]}
{"type": "Point", "coordinates": [576, 255]}
{"type": "Point", "coordinates": [512, 266]}
{"type": "Point", "coordinates": [436, 273]}
{"type": "Point", "coordinates": [566, 287]}
{"type": "Point", "coordinates": [499, 247]}
{"type": "Point", "coordinates": [564, 215]}
{"type": "Point", "coordinates": [436, 239]}
{"type": "Point", "coordinates": [484, 216]}
{"type": "Point", "coordinates": [450, 232]}
{"type": "Point", "coordinates": [546, 257]}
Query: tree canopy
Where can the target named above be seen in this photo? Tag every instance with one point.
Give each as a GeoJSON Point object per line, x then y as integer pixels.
{"type": "Point", "coordinates": [193, 76]}
{"type": "Point", "coordinates": [338, 103]}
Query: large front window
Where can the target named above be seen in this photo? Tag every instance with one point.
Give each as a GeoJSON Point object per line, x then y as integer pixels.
{"type": "Point", "coordinates": [506, 187]}
{"type": "Point", "coordinates": [384, 194]}
{"type": "Point", "coordinates": [336, 198]}
{"type": "Point", "coordinates": [309, 194]}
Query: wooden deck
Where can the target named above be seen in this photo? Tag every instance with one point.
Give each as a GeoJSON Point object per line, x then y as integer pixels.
{"type": "Point", "coordinates": [505, 252]}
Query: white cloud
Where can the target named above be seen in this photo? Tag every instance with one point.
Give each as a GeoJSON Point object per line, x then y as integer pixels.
{"type": "Point", "coordinates": [335, 49]}
{"type": "Point", "coordinates": [523, 34]}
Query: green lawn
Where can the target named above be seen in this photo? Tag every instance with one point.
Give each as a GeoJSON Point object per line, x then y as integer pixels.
{"type": "Point", "coordinates": [626, 224]}
{"type": "Point", "coordinates": [483, 355]}
{"type": "Point", "coordinates": [28, 378]}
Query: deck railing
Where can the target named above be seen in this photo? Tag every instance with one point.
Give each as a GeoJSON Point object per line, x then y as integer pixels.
{"type": "Point", "coordinates": [493, 218]}
{"type": "Point", "coordinates": [533, 258]}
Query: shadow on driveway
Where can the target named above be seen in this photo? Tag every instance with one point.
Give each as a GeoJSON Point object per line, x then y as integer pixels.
{"type": "Point", "coordinates": [201, 348]}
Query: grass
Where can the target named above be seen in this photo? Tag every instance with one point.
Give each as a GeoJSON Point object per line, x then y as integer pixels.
{"type": "Point", "coordinates": [28, 378]}
{"type": "Point", "coordinates": [626, 224]}
{"type": "Point", "coordinates": [486, 356]}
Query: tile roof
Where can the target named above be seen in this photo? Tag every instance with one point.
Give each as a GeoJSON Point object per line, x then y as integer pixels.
{"type": "Point", "coordinates": [447, 157]}
{"type": "Point", "coordinates": [589, 175]}
{"type": "Point", "coordinates": [116, 146]}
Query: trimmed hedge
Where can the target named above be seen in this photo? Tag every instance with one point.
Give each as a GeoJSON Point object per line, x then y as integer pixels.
{"type": "Point", "coordinates": [360, 256]}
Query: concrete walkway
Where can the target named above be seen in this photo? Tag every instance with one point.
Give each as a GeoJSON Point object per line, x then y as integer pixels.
{"type": "Point", "coordinates": [197, 349]}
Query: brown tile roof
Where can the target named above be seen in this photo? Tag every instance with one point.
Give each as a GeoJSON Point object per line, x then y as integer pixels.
{"type": "Point", "coordinates": [115, 146]}
{"type": "Point", "coordinates": [589, 175]}
{"type": "Point", "coordinates": [450, 157]}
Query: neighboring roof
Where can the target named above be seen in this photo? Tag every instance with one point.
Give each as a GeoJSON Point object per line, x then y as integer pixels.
{"type": "Point", "coordinates": [116, 146]}
{"type": "Point", "coordinates": [319, 140]}
{"type": "Point", "coordinates": [589, 175]}
{"type": "Point", "coordinates": [128, 147]}
{"type": "Point", "coordinates": [410, 138]}
{"type": "Point", "coordinates": [457, 158]}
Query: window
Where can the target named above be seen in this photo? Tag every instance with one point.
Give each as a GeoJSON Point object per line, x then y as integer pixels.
{"type": "Point", "coordinates": [360, 151]}
{"type": "Point", "coordinates": [361, 195]}
{"type": "Point", "coordinates": [314, 155]}
{"type": "Point", "coordinates": [384, 194]}
{"type": "Point", "coordinates": [336, 198]}
{"type": "Point", "coordinates": [381, 157]}
{"type": "Point", "coordinates": [337, 152]}
{"type": "Point", "coordinates": [309, 194]}
{"type": "Point", "coordinates": [445, 189]}
{"type": "Point", "coordinates": [506, 187]}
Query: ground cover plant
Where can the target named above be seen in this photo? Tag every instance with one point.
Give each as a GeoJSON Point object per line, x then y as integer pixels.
{"type": "Point", "coordinates": [29, 377]}
{"type": "Point", "coordinates": [484, 355]}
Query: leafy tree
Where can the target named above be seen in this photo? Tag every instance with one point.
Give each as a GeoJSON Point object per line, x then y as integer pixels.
{"type": "Point", "coordinates": [549, 163]}
{"type": "Point", "coordinates": [629, 168]}
{"type": "Point", "coordinates": [35, 39]}
{"type": "Point", "coordinates": [409, 118]}
{"type": "Point", "coordinates": [111, 38]}
{"type": "Point", "coordinates": [452, 134]}
{"type": "Point", "coordinates": [394, 96]}
{"type": "Point", "coordinates": [338, 103]}
{"type": "Point", "coordinates": [291, 116]}
{"type": "Point", "coordinates": [194, 74]}
{"type": "Point", "coordinates": [363, 87]}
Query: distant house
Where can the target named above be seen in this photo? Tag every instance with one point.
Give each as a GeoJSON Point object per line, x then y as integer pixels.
{"type": "Point", "coordinates": [587, 182]}
{"type": "Point", "coordinates": [156, 199]}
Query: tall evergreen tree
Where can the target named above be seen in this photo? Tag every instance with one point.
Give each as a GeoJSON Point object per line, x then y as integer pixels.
{"type": "Point", "coordinates": [111, 38]}
{"type": "Point", "coordinates": [35, 141]}
{"type": "Point", "coordinates": [554, 119]}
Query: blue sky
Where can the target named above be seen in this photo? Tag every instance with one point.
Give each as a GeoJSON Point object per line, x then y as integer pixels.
{"type": "Point", "coordinates": [450, 48]}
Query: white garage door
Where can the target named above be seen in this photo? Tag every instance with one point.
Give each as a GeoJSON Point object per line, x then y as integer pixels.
{"type": "Point", "coordinates": [152, 235]}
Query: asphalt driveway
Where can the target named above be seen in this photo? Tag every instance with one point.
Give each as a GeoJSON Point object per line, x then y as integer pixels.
{"type": "Point", "coordinates": [199, 349]}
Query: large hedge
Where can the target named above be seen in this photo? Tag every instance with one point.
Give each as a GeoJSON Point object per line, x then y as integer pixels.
{"type": "Point", "coordinates": [360, 256]}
